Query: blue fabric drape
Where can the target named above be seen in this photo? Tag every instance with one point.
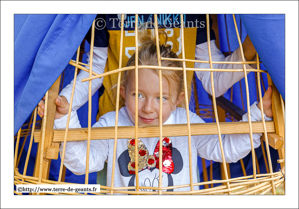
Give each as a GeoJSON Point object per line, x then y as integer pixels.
{"type": "Point", "coordinates": [267, 33]}
{"type": "Point", "coordinates": [44, 44]}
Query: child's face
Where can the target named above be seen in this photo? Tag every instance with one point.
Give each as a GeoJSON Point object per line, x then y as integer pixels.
{"type": "Point", "coordinates": [148, 94]}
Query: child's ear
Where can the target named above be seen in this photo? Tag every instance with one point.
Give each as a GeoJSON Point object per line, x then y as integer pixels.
{"type": "Point", "coordinates": [180, 98]}
{"type": "Point", "coordinates": [122, 91]}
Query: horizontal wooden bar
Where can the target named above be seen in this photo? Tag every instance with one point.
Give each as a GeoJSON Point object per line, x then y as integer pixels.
{"type": "Point", "coordinates": [212, 62]}
{"type": "Point", "coordinates": [161, 68]}
{"type": "Point", "coordinates": [79, 134]}
{"type": "Point", "coordinates": [274, 140]}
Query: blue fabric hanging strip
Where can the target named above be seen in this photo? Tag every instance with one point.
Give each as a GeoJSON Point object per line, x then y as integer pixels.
{"type": "Point", "coordinates": [267, 33]}
{"type": "Point", "coordinates": [44, 44]}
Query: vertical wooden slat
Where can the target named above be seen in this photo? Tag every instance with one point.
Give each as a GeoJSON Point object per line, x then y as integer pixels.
{"type": "Point", "coordinates": [264, 124]}
{"type": "Point", "coordinates": [89, 103]}
{"type": "Point", "coordinates": [214, 102]}
{"type": "Point", "coordinates": [187, 102]}
{"type": "Point", "coordinates": [278, 117]}
{"type": "Point", "coordinates": [204, 172]}
{"type": "Point", "coordinates": [211, 172]}
{"type": "Point", "coordinates": [160, 105]}
{"type": "Point", "coordinates": [243, 167]}
{"type": "Point", "coordinates": [223, 171]}
{"type": "Point", "coordinates": [264, 155]}
{"type": "Point", "coordinates": [203, 161]}
{"type": "Point", "coordinates": [68, 120]}
{"type": "Point", "coordinates": [248, 101]}
{"type": "Point", "coordinates": [42, 163]}
{"type": "Point", "coordinates": [63, 174]}
{"type": "Point", "coordinates": [117, 103]}
{"type": "Point", "coordinates": [17, 147]}
{"type": "Point", "coordinates": [30, 143]}
{"type": "Point", "coordinates": [136, 104]}
{"type": "Point", "coordinates": [257, 164]}
{"type": "Point", "coordinates": [25, 138]}
{"type": "Point", "coordinates": [221, 118]}
{"type": "Point", "coordinates": [281, 152]}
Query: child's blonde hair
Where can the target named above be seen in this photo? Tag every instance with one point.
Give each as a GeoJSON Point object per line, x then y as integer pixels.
{"type": "Point", "coordinates": [147, 55]}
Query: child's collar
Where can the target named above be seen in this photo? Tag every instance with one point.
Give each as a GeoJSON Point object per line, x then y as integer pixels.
{"type": "Point", "coordinates": [170, 119]}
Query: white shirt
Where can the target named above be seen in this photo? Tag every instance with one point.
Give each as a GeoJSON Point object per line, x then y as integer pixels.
{"type": "Point", "coordinates": [235, 146]}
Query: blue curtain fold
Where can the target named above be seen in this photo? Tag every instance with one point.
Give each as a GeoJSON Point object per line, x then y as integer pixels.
{"type": "Point", "coordinates": [44, 44]}
{"type": "Point", "coordinates": [267, 33]}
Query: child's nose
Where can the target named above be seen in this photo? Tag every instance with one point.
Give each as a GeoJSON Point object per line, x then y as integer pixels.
{"type": "Point", "coordinates": [148, 106]}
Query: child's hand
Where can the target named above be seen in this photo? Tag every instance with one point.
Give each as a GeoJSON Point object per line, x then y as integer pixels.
{"type": "Point", "coordinates": [62, 107]}
{"type": "Point", "coordinates": [248, 48]}
{"type": "Point", "coordinates": [267, 103]}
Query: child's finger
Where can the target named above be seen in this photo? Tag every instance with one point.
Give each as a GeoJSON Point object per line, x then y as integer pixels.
{"type": "Point", "coordinates": [268, 93]}
{"type": "Point", "coordinates": [61, 102]}
{"type": "Point", "coordinates": [41, 104]}
{"type": "Point", "coordinates": [40, 108]}
{"type": "Point", "coordinates": [57, 101]}
{"type": "Point", "coordinates": [40, 111]}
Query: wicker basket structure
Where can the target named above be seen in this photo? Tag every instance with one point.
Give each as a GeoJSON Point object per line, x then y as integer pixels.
{"type": "Point", "coordinates": [49, 139]}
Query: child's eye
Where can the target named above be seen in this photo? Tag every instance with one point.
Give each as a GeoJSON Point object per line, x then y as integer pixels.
{"type": "Point", "coordinates": [139, 95]}
{"type": "Point", "coordinates": [164, 98]}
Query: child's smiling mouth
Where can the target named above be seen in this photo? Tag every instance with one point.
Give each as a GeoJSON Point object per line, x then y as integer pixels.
{"type": "Point", "coordinates": [146, 120]}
